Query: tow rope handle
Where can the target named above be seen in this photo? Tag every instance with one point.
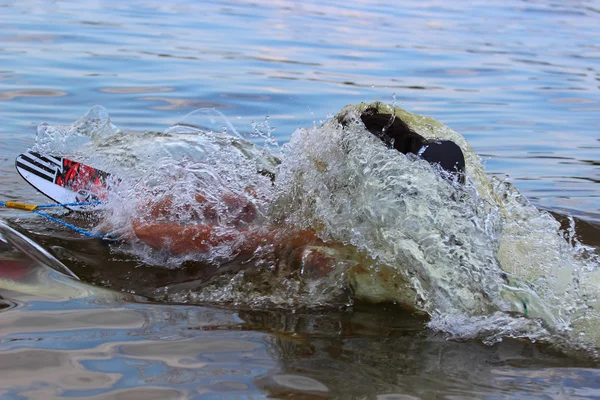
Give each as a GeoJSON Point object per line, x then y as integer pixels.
{"type": "Point", "coordinates": [20, 206]}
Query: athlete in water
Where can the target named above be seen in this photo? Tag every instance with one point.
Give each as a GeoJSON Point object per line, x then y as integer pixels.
{"type": "Point", "coordinates": [246, 237]}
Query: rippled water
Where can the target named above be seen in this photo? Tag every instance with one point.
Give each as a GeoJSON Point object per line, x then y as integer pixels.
{"type": "Point", "coordinates": [519, 80]}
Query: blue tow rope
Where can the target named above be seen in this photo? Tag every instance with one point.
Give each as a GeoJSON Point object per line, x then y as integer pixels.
{"type": "Point", "coordinates": [34, 208]}
{"type": "Point", "coordinates": [78, 203]}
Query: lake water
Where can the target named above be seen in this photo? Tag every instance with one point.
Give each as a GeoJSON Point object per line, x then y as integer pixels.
{"type": "Point", "coordinates": [519, 79]}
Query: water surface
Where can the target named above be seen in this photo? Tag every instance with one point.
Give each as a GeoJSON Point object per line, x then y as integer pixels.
{"type": "Point", "coordinates": [518, 79]}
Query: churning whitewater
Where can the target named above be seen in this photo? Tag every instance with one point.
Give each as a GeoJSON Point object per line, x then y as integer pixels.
{"type": "Point", "coordinates": [477, 257]}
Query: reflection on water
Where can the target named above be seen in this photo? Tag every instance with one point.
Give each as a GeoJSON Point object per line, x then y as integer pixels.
{"type": "Point", "coordinates": [93, 344]}
{"type": "Point", "coordinates": [178, 103]}
{"type": "Point", "coordinates": [195, 351]}
{"type": "Point", "coordinates": [13, 94]}
{"type": "Point", "coordinates": [132, 90]}
{"type": "Point", "coordinates": [70, 320]}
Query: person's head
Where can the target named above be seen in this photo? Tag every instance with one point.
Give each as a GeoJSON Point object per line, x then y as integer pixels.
{"type": "Point", "coordinates": [396, 134]}
{"type": "Point", "coordinates": [447, 155]}
{"type": "Point", "coordinates": [392, 131]}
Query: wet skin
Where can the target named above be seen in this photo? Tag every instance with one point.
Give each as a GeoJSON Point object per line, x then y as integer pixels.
{"type": "Point", "coordinates": [245, 238]}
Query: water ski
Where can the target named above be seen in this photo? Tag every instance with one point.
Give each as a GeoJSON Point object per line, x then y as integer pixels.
{"type": "Point", "coordinates": [64, 180]}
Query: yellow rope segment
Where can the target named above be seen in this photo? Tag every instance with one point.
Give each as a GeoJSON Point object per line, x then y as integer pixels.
{"type": "Point", "coordinates": [20, 206]}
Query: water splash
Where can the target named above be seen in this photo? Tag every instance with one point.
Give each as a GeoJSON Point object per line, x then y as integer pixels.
{"type": "Point", "coordinates": [72, 139]}
{"type": "Point", "coordinates": [206, 120]}
{"type": "Point", "coordinates": [475, 257]}
{"type": "Point", "coordinates": [461, 253]}
{"type": "Point", "coordinates": [264, 131]}
{"type": "Point", "coordinates": [401, 212]}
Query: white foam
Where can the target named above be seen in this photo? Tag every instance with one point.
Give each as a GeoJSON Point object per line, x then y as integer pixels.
{"type": "Point", "coordinates": [468, 255]}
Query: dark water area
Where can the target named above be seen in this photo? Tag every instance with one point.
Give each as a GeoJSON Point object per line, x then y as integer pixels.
{"type": "Point", "coordinates": [67, 340]}
{"type": "Point", "coordinates": [519, 79]}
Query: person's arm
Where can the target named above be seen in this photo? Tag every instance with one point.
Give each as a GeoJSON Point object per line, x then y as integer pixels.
{"type": "Point", "coordinates": [180, 239]}
{"type": "Point", "coordinates": [245, 209]}
{"type": "Point", "coordinates": [199, 238]}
